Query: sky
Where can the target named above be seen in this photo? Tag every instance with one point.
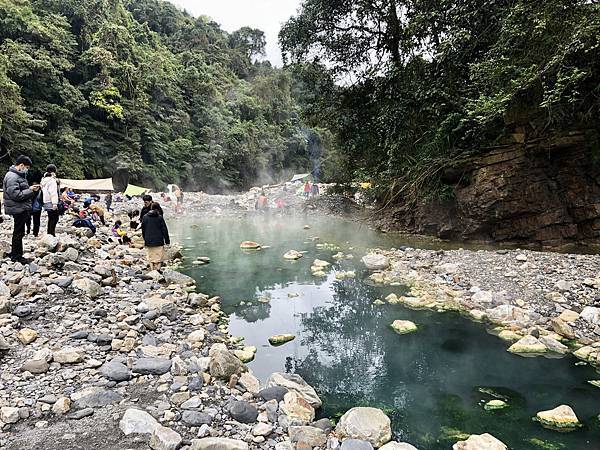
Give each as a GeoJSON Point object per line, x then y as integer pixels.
{"type": "Point", "coordinates": [266, 15]}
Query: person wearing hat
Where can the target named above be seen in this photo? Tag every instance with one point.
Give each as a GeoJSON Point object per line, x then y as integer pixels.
{"type": "Point", "coordinates": [17, 195]}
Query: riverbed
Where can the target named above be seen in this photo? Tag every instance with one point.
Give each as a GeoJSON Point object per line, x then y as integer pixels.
{"type": "Point", "coordinates": [432, 383]}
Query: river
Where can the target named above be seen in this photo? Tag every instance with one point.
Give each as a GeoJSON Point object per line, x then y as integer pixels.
{"type": "Point", "coordinates": [432, 383]}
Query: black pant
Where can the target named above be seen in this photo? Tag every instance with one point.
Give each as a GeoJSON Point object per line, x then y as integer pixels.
{"type": "Point", "coordinates": [53, 216]}
{"type": "Point", "coordinates": [36, 216]}
{"type": "Point", "coordinates": [18, 233]}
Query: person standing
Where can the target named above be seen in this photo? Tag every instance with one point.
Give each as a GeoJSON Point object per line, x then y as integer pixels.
{"type": "Point", "coordinates": [50, 189]}
{"type": "Point", "coordinates": [307, 189]}
{"type": "Point", "coordinates": [36, 213]}
{"type": "Point", "coordinates": [108, 200]}
{"type": "Point", "coordinates": [156, 236]}
{"type": "Point", "coordinates": [148, 202]}
{"type": "Point", "coordinates": [17, 196]}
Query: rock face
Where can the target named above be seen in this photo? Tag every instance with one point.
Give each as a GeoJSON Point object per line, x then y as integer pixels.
{"type": "Point", "coordinates": [367, 424]}
{"type": "Point", "coordinates": [530, 190]}
{"type": "Point", "coordinates": [561, 418]}
{"type": "Point", "coordinates": [480, 442]}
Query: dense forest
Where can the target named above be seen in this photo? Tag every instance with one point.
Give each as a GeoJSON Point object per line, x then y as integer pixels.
{"type": "Point", "coordinates": [412, 88]}
{"type": "Point", "coordinates": [100, 85]}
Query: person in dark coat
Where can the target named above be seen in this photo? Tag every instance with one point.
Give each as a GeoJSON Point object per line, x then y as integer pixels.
{"type": "Point", "coordinates": [148, 202]}
{"type": "Point", "coordinates": [156, 236]}
{"type": "Point", "coordinates": [17, 196]}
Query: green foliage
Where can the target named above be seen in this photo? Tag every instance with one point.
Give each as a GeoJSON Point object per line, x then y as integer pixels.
{"type": "Point", "coordinates": [101, 85]}
{"type": "Point", "coordinates": [411, 87]}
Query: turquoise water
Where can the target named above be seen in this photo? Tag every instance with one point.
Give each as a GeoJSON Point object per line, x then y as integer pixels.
{"type": "Point", "coordinates": [431, 383]}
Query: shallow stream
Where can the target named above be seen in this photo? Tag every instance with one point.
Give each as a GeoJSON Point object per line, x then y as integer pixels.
{"type": "Point", "coordinates": [432, 383]}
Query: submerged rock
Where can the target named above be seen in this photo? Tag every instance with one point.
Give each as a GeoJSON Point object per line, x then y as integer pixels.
{"type": "Point", "coordinates": [367, 424]}
{"type": "Point", "coordinates": [403, 326]}
{"type": "Point", "coordinates": [480, 442]}
{"type": "Point", "coordinates": [280, 339]}
{"type": "Point", "coordinates": [250, 245]}
{"type": "Point", "coordinates": [561, 418]}
{"type": "Point", "coordinates": [293, 255]}
{"type": "Point", "coordinates": [495, 404]}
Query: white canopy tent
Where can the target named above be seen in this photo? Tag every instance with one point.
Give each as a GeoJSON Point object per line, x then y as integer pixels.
{"type": "Point", "coordinates": [99, 185]}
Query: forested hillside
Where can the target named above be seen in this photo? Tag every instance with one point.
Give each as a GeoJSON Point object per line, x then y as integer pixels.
{"type": "Point", "coordinates": [413, 88]}
{"type": "Point", "coordinates": [101, 85]}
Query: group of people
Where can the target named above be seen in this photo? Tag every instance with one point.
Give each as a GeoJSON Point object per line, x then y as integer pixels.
{"type": "Point", "coordinates": [25, 202]}
{"type": "Point", "coordinates": [311, 190]}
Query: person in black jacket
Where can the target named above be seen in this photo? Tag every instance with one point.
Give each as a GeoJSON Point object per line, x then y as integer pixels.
{"type": "Point", "coordinates": [148, 202]}
{"type": "Point", "coordinates": [156, 236]}
{"type": "Point", "coordinates": [17, 203]}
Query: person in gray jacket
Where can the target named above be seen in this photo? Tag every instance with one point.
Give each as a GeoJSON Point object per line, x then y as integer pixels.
{"type": "Point", "coordinates": [17, 203]}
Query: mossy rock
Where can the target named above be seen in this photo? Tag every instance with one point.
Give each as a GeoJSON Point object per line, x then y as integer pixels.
{"type": "Point", "coordinates": [281, 339]}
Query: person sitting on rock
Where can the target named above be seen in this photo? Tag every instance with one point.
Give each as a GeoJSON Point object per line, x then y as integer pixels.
{"type": "Point", "coordinates": [120, 233]}
{"type": "Point", "coordinates": [156, 236]}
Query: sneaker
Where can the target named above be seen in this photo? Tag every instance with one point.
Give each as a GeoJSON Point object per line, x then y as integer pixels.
{"type": "Point", "coordinates": [21, 259]}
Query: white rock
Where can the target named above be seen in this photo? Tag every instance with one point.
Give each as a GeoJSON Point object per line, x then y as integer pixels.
{"type": "Point", "coordinates": [295, 383]}
{"type": "Point", "coordinates": [9, 414]}
{"type": "Point", "coordinates": [397, 446]}
{"type": "Point", "coordinates": [68, 355]}
{"type": "Point", "coordinates": [483, 297]}
{"type": "Point", "coordinates": [164, 438]}
{"type": "Point", "coordinates": [591, 314]}
{"type": "Point", "coordinates": [375, 261]}
{"type": "Point", "coordinates": [366, 424]}
{"type": "Point", "coordinates": [137, 421]}
{"type": "Point", "coordinates": [249, 382]}
{"type": "Point", "coordinates": [480, 442]}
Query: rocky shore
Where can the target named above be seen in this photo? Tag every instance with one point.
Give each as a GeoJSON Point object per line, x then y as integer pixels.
{"type": "Point", "coordinates": [99, 353]}
{"type": "Point", "coordinates": [542, 303]}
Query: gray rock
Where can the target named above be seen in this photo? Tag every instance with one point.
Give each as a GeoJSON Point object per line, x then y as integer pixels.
{"type": "Point", "coordinates": [195, 418]}
{"type": "Point", "coordinates": [273, 393]}
{"type": "Point", "coordinates": [323, 424]}
{"type": "Point", "coordinates": [243, 412]}
{"type": "Point", "coordinates": [218, 443]}
{"type": "Point", "coordinates": [307, 437]}
{"type": "Point", "coordinates": [81, 414]}
{"type": "Point", "coordinates": [22, 311]}
{"type": "Point", "coordinates": [115, 371]}
{"type": "Point", "coordinates": [356, 444]}
{"type": "Point", "coordinates": [174, 277]}
{"type": "Point", "coordinates": [35, 366]}
{"type": "Point", "coordinates": [223, 363]}
{"type": "Point", "coordinates": [294, 382]}
{"type": "Point", "coordinates": [97, 398]}
{"type": "Point", "coordinates": [152, 366]}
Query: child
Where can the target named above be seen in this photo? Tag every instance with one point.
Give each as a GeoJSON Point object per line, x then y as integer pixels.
{"type": "Point", "coordinates": [120, 233]}
{"type": "Point", "coordinates": [156, 236]}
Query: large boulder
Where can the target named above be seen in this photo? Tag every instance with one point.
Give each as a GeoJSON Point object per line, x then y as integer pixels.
{"type": "Point", "coordinates": [307, 437]}
{"type": "Point", "coordinates": [295, 383]}
{"type": "Point", "coordinates": [164, 438]}
{"type": "Point", "coordinates": [224, 363]}
{"type": "Point", "coordinates": [480, 442]}
{"type": "Point", "coordinates": [375, 261]}
{"type": "Point", "coordinates": [561, 418]}
{"type": "Point", "coordinates": [218, 443]}
{"type": "Point", "coordinates": [367, 424]}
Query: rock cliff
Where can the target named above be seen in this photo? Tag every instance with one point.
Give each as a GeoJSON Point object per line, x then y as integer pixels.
{"type": "Point", "coordinates": [538, 191]}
